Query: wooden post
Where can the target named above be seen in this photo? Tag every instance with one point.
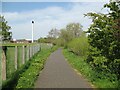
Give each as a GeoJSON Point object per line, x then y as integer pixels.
{"type": "Point", "coordinates": [16, 57]}
{"type": "Point", "coordinates": [36, 49]}
{"type": "Point", "coordinates": [23, 54]}
{"type": "Point", "coordinates": [3, 65]}
{"type": "Point", "coordinates": [28, 54]}
{"type": "Point", "coordinates": [0, 67]}
{"type": "Point", "coordinates": [33, 50]}
{"type": "Point", "coordinates": [39, 47]}
{"type": "Point", "coordinates": [30, 51]}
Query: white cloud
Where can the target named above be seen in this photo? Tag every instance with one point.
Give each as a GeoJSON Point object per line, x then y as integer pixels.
{"type": "Point", "coordinates": [48, 18]}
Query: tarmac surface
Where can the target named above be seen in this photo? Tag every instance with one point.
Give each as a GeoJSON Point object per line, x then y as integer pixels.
{"type": "Point", "coordinates": [57, 73]}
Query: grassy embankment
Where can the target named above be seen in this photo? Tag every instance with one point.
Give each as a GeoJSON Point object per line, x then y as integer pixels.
{"type": "Point", "coordinates": [28, 78]}
{"type": "Point", "coordinates": [35, 64]}
{"type": "Point", "coordinates": [98, 79]}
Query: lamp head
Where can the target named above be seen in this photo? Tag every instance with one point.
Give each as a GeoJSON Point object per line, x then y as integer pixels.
{"type": "Point", "coordinates": [32, 21]}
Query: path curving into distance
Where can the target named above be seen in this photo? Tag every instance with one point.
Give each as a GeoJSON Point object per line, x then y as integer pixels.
{"type": "Point", "coordinates": [57, 73]}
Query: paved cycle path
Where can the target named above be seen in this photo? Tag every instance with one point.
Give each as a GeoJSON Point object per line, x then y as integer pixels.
{"type": "Point", "coordinates": [57, 73]}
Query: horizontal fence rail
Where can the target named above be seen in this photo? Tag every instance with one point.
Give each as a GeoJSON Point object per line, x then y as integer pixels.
{"type": "Point", "coordinates": [13, 57]}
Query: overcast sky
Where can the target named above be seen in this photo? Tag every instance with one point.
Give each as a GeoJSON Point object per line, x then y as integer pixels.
{"type": "Point", "coordinates": [47, 15]}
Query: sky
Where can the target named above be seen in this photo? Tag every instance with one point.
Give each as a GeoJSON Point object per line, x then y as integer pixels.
{"type": "Point", "coordinates": [47, 15]}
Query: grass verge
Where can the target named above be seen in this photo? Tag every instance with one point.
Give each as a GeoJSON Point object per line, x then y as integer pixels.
{"type": "Point", "coordinates": [26, 75]}
{"type": "Point", "coordinates": [100, 80]}
{"type": "Point", "coordinates": [28, 78]}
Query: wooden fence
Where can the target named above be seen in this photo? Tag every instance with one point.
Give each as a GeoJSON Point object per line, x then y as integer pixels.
{"type": "Point", "coordinates": [13, 57]}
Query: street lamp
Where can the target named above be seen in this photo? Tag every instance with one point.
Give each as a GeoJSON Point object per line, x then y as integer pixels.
{"type": "Point", "coordinates": [32, 30]}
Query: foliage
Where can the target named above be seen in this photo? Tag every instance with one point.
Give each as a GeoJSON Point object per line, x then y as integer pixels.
{"type": "Point", "coordinates": [99, 79]}
{"type": "Point", "coordinates": [104, 38]}
{"type": "Point", "coordinates": [5, 33]}
{"type": "Point", "coordinates": [51, 38]}
{"type": "Point", "coordinates": [75, 29]}
{"type": "Point", "coordinates": [46, 40]}
{"type": "Point", "coordinates": [59, 42]}
{"type": "Point", "coordinates": [53, 33]}
{"type": "Point", "coordinates": [72, 30]}
{"type": "Point", "coordinates": [79, 46]}
{"type": "Point", "coordinates": [63, 36]}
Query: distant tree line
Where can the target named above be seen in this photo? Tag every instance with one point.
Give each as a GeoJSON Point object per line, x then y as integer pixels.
{"type": "Point", "coordinates": [72, 37]}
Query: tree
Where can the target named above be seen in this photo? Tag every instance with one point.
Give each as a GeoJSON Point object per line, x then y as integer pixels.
{"type": "Point", "coordinates": [104, 38]}
{"type": "Point", "coordinates": [72, 30]}
{"type": "Point", "coordinates": [75, 29]}
{"type": "Point", "coordinates": [65, 35]}
{"type": "Point", "coordinates": [53, 33]}
{"type": "Point", "coordinates": [6, 35]}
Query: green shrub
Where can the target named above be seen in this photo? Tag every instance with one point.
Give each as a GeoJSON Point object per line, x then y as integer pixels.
{"type": "Point", "coordinates": [79, 46]}
{"type": "Point", "coordinates": [100, 79]}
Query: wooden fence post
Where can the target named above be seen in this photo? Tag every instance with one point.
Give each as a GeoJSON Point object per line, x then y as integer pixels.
{"type": "Point", "coordinates": [36, 49]}
{"type": "Point", "coordinates": [32, 51]}
{"type": "Point", "coordinates": [23, 54]}
{"type": "Point", "coordinates": [16, 57]}
{"type": "Point", "coordinates": [0, 67]}
{"type": "Point", "coordinates": [3, 65]}
{"type": "Point", "coordinates": [28, 53]}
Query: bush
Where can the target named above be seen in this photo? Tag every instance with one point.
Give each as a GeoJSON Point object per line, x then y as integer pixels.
{"type": "Point", "coordinates": [101, 79]}
{"type": "Point", "coordinates": [79, 46]}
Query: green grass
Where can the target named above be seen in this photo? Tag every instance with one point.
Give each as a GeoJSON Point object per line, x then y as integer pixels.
{"type": "Point", "coordinates": [10, 57]}
{"type": "Point", "coordinates": [35, 64]}
{"type": "Point", "coordinates": [98, 79]}
{"type": "Point", "coordinates": [28, 78]}
{"type": "Point", "coordinates": [10, 65]}
{"type": "Point", "coordinates": [19, 56]}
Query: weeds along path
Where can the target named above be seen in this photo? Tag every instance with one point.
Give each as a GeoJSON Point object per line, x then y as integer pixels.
{"type": "Point", "coordinates": [57, 73]}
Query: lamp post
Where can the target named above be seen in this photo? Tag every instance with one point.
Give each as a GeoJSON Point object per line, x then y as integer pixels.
{"type": "Point", "coordinates": [32, 30]}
